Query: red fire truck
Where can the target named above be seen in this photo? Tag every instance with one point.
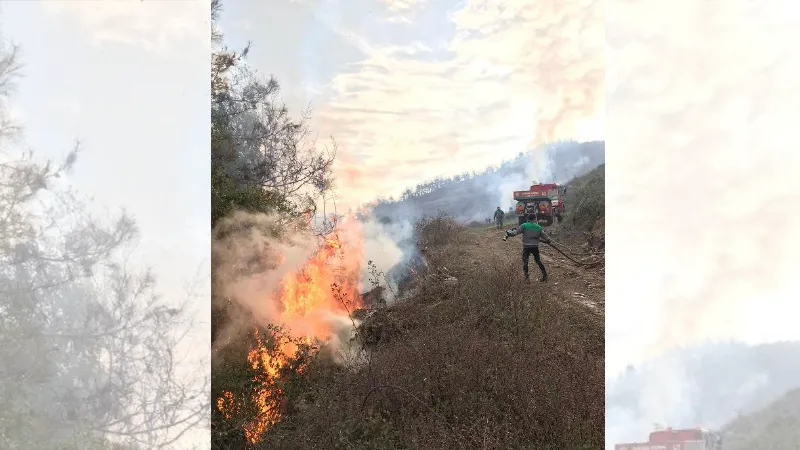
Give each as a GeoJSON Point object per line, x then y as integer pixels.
{"type": "Point", "coordinates": [545, 201]}
{"type": "Point", "coordinates": [669, 439]}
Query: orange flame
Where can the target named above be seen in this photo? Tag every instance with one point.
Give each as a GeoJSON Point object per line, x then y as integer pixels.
{"type": "Point", "coordinates": [327, 286]}
{"type": "Point", "coordinates": [227, 405]}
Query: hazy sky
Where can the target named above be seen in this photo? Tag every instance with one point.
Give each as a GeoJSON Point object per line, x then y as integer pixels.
{"type": "Point", "coordinates": [412, 89]}
{"type": "Point", "coordinates": [130, 79]}
{"type": "Point", "coordinates": [702, 175]}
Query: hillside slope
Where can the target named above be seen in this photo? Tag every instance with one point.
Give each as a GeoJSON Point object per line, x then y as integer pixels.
{"type": "Point", "coordinates": [586, 202]}
{"type": "Point", "coordinates": [718, 382]}
{"type": "Point", "coordinates": [772, 428]}
{"type": "Point", "coordinates": [471, 357]}
{"type": "Point", "coordinates": [473, 196]}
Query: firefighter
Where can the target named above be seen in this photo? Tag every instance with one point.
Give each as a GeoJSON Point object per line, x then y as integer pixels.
{"type": "Point", "coordinates": [531, 233]}
{"type": "Point", "coordinates": [498, 217]}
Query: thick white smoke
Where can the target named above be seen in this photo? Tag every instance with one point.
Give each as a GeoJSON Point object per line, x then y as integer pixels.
{"type": "Point", "coordinates": [386, 245]}
{"type": "Point", "coordinates": [697, 115]}
{"type": "Point", "coordinates": [538, 168]}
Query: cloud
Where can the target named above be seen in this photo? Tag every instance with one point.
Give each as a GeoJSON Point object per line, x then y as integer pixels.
{"type": "Point", "coordinates": [702, 175]}
{"type": "Point", "coordinates": [156, 26]}
{"type": "Point", "coordinates": [403, 11]}
{"type": "Point", "coordinates": [507, 75]}
{"type": "Point", "coordinates": [403, 5]}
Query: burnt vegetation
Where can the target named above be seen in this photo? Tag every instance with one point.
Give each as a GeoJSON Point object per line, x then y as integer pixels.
{"type": "Point", "coordinates": [456, 356]}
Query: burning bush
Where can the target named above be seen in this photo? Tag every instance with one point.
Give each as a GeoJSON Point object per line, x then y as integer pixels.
{"type": "Point", "coordinates": [263, 276]}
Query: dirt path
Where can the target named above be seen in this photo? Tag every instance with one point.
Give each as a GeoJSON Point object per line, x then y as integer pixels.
{"type": "Point", "coordinates": [567, 281]}
{"type": "Point", "coordinates": [505, 363]}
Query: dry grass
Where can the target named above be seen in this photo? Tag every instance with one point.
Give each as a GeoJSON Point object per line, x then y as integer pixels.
{"type": "Point", "coordinates": [486, 363]}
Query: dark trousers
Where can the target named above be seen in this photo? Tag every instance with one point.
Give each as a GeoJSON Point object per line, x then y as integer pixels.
{"type": "Point", "coordinates": [526, 255]}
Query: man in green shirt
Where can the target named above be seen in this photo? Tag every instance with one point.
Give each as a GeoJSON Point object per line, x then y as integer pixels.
{"type": "Point", "coordinates": [531, 233]}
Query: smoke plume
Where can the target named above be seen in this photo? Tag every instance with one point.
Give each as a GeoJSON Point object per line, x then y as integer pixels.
{"type": "Point", "coordinates": [264, 269]}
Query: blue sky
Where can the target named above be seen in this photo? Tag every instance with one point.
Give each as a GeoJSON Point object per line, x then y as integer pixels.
{"type": "Point", "coordinates": [413, 89]}
{"type": "Point", "coordinates": [329, 37]}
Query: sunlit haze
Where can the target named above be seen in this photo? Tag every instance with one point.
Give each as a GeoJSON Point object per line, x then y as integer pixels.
{"type": "Point", "coordinates": [411, 90]}
{"type": "Point", "coordinates": [702, 176]}
{"type": "Point", "coordinates": [130, 80]}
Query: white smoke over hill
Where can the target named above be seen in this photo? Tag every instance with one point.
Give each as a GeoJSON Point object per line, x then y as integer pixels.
{"type": "Point", "coordinates": [699, 95]}
{"type": "Point", "coordinates": [475, 196]}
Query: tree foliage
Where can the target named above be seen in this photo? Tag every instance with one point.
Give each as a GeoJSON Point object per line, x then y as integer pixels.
{"type": "Point", "coordinates": [88, 349]}
{"type": "Point", "coordinates": [257, 147]}
{"type": "Point", "coordinates": [263, 160]}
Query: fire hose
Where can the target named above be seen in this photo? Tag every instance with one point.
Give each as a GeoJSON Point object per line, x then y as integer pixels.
{"type": "Point", "coordinates": [580, 263]}
{"type": "Point", "coordinates": [584, 264]}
